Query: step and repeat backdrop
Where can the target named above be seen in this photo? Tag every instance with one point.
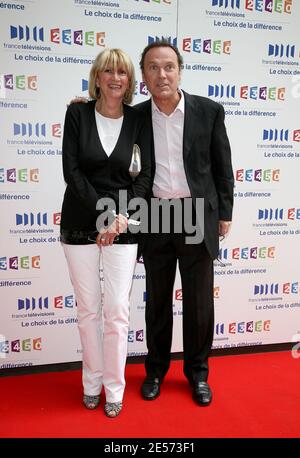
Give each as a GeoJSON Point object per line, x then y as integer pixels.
{"type": "Point", "coordinates": [244, 54]}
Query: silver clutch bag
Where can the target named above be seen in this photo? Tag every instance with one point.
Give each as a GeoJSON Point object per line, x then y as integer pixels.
{"type": "Point", "coordinates": [135, 165]}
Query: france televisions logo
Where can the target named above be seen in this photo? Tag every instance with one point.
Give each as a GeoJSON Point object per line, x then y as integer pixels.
{"type": "Point", "coordinates": [57, 35]}
{"type": "Point", "coordinates": [220, 329]}
{"type": "Point", "coordinates": [242, 327]}
{"type": "Point", "coordinates": [260, 6]}
{"type": "Point", "coordinates": [206, 46]}
{"type": "Point", "coordinates": [271, 289]}
{"type": "Point", "coordinates": [37, 130]}
{"type": "Point", "coordinates": [14, 175]}
{"type": "Point", "coordinates": [42, 303]}
{"type": "Point", "coordinates": [139, 335]}
{"type": "Point", "coordinates": [18, 82]}
{"type": "Point", "coordinates": [18, 345]}
{"type": "Point", "coordinates": [247, 253]}
{"type": "Point", "coordinates": [246, 92]}
{"type": "Point", "coordinates": [257, 175]}
{"type": "Point", "coordinates": [61, 302]}
{"type": "Point", "coordinates": [33, 303]}
{"type": "Point", "coordinates": [281, 135]}
{"type": "Point", "coordinates": [130, 336]}
{"type": "Point", "coordinates": [140, 260]}
{"type": "Point", "coordinates": [84, 85]}
{"type": "Point", "coordinates": [27, 33]}
{"type": "Point", "coordinates": [37, 219]}
{"type": "Point", "coordinates": [178, 295]}
{"type": "Point", "coordinates": [278, 214]}
{"type": "Point", "coordinates": [20, 262]}
{"type": "Point", "coordinates": [136, 336]}
{"type": "Point", "coordinates": [141, 89]}
{"type": "Point", "coordinates": [283, 51]}
{"type": "Point", "coordinates": [171, 40]}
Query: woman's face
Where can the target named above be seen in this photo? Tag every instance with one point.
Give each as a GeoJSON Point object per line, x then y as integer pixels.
{"type": "Point", "coordinates": [113, 82]}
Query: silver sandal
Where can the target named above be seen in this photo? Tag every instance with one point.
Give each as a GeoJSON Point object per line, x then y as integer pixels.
{"type": "Point", "coordinates": [112, 409]}
{"type": "Point", "coordinates": [91, 402]}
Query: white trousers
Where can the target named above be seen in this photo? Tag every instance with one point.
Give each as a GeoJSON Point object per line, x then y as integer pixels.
{"type": "Point", "coordinates": [103, 324]}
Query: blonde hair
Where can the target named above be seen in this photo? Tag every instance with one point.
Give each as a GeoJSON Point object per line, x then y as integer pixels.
{"type": "Point", "coordinates": [115, 58]}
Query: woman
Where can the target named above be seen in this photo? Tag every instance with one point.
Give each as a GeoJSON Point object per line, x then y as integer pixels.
{"type": "Point", "coordinates": [99, 139]}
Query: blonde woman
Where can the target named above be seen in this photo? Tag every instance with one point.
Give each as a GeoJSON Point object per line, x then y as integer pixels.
{"type": "Point", "coordinates": [99, 139]}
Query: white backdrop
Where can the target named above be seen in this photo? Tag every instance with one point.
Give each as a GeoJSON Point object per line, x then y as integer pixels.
{"type": "Point", "coordinates": [242, 53]}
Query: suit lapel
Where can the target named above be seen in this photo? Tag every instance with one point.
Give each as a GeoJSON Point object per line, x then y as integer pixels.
{"type": "Point", "coordinates": [147, 108]}
{"type": "Point", "coordinates": [192, 121]}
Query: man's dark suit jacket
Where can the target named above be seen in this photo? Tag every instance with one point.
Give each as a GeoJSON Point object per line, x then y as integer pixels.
{"type": "Point", "coordinates": [207, 162]}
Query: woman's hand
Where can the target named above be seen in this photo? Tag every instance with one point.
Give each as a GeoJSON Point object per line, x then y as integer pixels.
{"type": "Point", "coordinates": [107, 236]}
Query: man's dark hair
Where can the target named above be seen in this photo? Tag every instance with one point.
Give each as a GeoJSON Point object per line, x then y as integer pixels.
{"type": "Point", "coordinates": [158, 44]}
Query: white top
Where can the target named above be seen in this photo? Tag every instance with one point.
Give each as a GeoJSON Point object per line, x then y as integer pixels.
{"type": "Point", "coordinates": [109, 131]}
{"type": "Point", "coordinates": [170, 180]}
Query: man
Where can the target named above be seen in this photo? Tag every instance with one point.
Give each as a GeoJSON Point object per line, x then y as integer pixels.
{"type": "Point", "coordinates": [192, 159]}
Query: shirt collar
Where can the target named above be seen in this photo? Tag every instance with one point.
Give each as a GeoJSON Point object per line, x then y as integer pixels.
{"type": "Point", "coordinates": [180, 106]}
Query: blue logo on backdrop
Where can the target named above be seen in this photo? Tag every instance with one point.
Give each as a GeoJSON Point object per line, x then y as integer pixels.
{"type": "Point", "coordinates": [33, 303]}
{"type": "Point", "coordinates": [29, 129]}
{"type": "Point", "coordinates": [271, 288]}
{"type": "Point", "coordinates": [221, 91]}
{"type": "Point", "coordinates": [35, 33]}
{"type": "Point", "coordinates": [279, 213]}
{"type": "Point", "coordinates": [37, 129]}
{"type": "Point", "coordinates": [84, 85]}
{"type": "Point", "coordinates": [270, 213]}
{"type": "Point", "coordinates": [220, 327]}
{"type": "Point", "coordinates": [31, 219]}
{"type": "Point", "coordinates": [281, 50]}
{"type": "Point", "coordinates": [226, 3]}
{"type": "Point", "coordinates": [276, 134]}
{"type": "Point", "coordinates": [172, 41]}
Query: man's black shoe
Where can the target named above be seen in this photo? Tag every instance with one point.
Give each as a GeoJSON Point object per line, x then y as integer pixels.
{"type": "Point", "coordinates": [202, 393]}
{"type": "Point", "coordinates": [150, 388]}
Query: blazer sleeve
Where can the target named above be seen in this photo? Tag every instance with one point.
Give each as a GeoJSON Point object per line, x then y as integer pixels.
{"type": "Point", "coordinates": [74, 177]}
{"type": "Point", "coordinates": [222, 166]}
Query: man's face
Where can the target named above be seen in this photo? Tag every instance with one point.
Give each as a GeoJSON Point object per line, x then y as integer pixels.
{"type": "Point", "coordinates": [161, 72]}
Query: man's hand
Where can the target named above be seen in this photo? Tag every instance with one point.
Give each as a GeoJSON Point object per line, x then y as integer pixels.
{"type": "Point", "coordinates": [224, 227]}
{"type": "Point", "coordinates": [79, 100]}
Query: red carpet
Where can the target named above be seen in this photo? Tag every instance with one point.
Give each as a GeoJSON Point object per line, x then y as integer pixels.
{"type": "Point", "coordinates": [255, 395]}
